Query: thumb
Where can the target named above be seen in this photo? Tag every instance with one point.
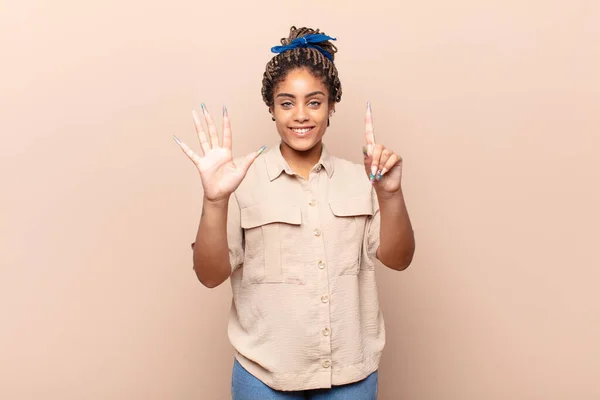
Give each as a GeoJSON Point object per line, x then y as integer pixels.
{"type": "Point", "coordinates": [367, 155]}
{"type": "Point", "coordinates": [247, 161]}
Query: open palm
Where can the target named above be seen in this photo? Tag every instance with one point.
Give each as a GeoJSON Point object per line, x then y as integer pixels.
{"type": "Point", "coordinates": [220, 175]}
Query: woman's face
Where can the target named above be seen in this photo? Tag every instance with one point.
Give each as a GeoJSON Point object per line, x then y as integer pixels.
{"type": "Point", "coordinates": [301, 109]}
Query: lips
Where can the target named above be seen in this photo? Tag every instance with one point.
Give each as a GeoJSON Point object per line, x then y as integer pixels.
{"type": "Point", "coordinates": [302, 131]}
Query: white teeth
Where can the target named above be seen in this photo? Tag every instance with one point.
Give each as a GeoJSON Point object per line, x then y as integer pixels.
{"type": "Point", "coordinates": [305, 130]}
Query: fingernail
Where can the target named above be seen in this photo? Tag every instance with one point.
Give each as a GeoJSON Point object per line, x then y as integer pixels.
{"type": "Point", "coordinates": [203, 107]}
{"type": "Point", "coordinates": [369, 105]}
{"type": "Point", "coordinates": [224, 111]}
{"type": "Point", "coordinates": [372, 178]}
{"type": "Point", "coordinates": [379, 174]}
{"type": "Point", "coordinates": [261, 150]}
{"type": "Point", "coordinates": [365, 153]}
{"type": "Point", "coordinates": [373, 170]}
{"type": "Point", "coordinates": [383, 171]}
{"type": "Point", "coordinates": [176, 139]}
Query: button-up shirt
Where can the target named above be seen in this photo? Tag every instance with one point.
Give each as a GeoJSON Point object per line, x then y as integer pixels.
{"type": "Point", "coordinates": [305, 311]}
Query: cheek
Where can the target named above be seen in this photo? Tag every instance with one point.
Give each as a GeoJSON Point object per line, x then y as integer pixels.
{"type": "Point", "coordinates": [319, 115]}
{"type": "Point", "coordinates": [322, 118]}
{"type": "Point", "coordinates": [281, 124]}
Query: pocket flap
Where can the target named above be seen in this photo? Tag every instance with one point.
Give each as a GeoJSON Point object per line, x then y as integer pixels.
{"type": "Point", "coordinates": [254, 216]}
{"type": "Point", "coordinates": [353, 206]}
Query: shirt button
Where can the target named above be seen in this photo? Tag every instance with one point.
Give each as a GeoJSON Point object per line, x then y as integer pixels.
{"type": "Point", "coordinates": [312, 203]}
{"type": "Point", "coordinates": [318, 168]}
{"type": "Point", "coordinates": [317, 232]}
{"type": "Point", "coordinates": [321, 265]}
{"type": "Point", "coordinates": [324, 298]}
{"type": "Point", "coordinates": [326, 332]}
{"type": "Point", "coordinates": [326, 364]}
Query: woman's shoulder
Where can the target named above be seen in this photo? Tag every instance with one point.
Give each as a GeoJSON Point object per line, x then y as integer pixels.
{"type": "Point", "coordinates": [347, 168]}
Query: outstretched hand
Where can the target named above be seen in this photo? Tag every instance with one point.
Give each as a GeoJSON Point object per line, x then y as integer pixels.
{"type": "Point", "coordinates": [219, 174]}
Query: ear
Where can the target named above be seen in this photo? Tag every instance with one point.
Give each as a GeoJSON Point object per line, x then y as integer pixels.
{"type": "Point", "coordinates": [331, 110]}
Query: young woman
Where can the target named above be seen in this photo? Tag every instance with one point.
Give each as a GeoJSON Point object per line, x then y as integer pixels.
{"type": "Point", "coordinates": [297, 231]}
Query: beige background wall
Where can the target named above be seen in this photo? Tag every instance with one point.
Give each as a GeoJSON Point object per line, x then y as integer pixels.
{"type": "Point", "coordinates": [494, 105]}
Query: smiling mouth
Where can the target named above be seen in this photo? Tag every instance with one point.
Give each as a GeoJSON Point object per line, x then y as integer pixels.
{"type": "Point", "coordinates": [301, 130]}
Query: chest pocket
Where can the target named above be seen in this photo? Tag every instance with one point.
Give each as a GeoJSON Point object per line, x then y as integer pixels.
{"type": "Point", "coordinates": [273, 253]}
{"type": "Point", "coordinates": [349, 224]}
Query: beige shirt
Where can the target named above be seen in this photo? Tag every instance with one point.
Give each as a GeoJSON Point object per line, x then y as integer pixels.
{"type": "Point", "coordinates": [305, 311]}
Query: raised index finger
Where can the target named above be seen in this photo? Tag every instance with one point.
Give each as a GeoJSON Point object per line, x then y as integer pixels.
{"type": "Point", "coordinates": [369, 134]}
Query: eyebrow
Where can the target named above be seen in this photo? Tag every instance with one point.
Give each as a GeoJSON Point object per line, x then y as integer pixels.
{"type": "Point", "coordinates": [293, 97]}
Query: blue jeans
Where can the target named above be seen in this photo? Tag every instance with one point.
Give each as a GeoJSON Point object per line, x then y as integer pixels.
{"type": "Point", "coordinates": [244, 386]}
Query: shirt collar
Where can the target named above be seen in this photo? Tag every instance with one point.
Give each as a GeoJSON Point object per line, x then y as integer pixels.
{"type": "Point", "coordinates": [276, 164]}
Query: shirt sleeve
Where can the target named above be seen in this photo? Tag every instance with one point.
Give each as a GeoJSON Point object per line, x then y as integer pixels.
{"type": "Point", "coordinates": [235, 234]}
{"type": "Point", "coordinates": [373, 225]}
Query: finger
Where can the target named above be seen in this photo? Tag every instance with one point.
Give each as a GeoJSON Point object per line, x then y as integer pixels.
{"type": "Point", "coordinates": [367, 158]}
{"type": "Point", "coordinates": [212, 129]}
{"type": "Point", "coordinates": [188, 152]}
{"type": "Point", "coordinates": [391, 163]}
{"type": "Point", "coordinates": [247, 161]}
{"type": "Point", "coordinates": [226, 129]}
{"type": "Point", "coordinates": [200, 132]}
{"type": "Point", "coordinates": [385, 156]}
{"type": "Point", "coordinates": [369, 133]}
{"type": "Point", "coordinates": [377, 151]}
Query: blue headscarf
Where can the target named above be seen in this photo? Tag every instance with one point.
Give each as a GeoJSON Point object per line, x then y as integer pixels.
{"type": "Point", "coordinates": [306, 41]}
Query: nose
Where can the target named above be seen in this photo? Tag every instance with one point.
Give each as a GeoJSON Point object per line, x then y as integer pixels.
{"type": "Point", "coordinates": [300, 115]}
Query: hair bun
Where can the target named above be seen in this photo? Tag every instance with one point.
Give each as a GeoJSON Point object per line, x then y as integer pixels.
{"type": "Point", "coordinates": [296, 33]}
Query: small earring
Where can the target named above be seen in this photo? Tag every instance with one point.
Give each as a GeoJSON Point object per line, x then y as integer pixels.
{"type": "Point", "coordinates": [273, 118]}
{"type": "Point", "coordinates": [332, 112]}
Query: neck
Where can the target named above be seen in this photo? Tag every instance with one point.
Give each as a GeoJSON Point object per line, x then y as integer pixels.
{"type": "Point", "coordinates": [301, 162]}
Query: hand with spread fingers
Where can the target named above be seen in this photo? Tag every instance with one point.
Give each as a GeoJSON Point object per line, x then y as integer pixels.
{"type": "Point", "coordinates": [383, 166]}
{"type": "Point", "coordinates": [220, 175]}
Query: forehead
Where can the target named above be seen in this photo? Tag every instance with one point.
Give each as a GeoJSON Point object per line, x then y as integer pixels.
{"type": "Point", "coordinates": [299, 82]}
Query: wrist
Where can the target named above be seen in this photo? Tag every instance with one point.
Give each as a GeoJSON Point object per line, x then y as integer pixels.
{"type": "Point", "coordinates": [217, 203]}
{"type": "Point", "coordinates": [390, 196]}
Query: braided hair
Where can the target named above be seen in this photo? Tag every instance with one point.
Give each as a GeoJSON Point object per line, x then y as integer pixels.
{"type": "Point", "coordinates": [311, 59]}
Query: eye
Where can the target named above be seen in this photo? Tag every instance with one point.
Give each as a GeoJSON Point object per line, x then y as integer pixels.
{"type": "Point", "coordinates": [286, 104]}
{"type": "Point", "coordinates": [314, 103]}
